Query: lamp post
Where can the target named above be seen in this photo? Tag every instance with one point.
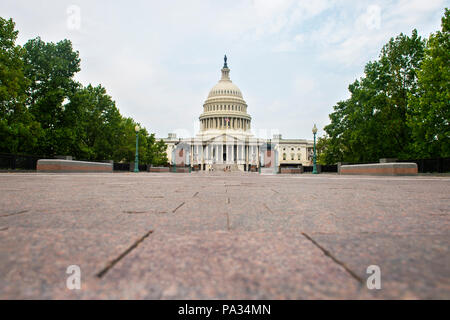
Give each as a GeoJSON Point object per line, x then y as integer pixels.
{"type": "Point", "coordinates": [314, 131]}
{"type": "Point", "coordinates": [136, 159]}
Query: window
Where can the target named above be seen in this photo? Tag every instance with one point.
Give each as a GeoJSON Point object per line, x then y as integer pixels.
{"type": "Point", "coordinates": [292, 156]}
{"type": "Point", "coordinates": [284, 156]}
{"type": "Point", "coordinates": [299, 156]}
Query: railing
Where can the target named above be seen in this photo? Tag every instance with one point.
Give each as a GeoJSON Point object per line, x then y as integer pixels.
{"type": "Point", "coordinates": [129, 167]}
{"type": "Point", "coordinates": [308, 169]}
{"type": "Point", "coordinates": [143, 167]}
{"type": "Point", "coordinates": [437, 165]}
{"type": "Point", "coordinates": [19, 161]}
{"type": "Point", "coordinates": [29, 162]}
{"type": "Point", "coordinates": [117, 166]}
{"type": "Point", "coordinates": [329, 168]}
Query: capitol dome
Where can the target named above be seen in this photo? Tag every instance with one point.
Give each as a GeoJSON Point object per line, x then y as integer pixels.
{"type": "Point", "coordinates": [225, 108]}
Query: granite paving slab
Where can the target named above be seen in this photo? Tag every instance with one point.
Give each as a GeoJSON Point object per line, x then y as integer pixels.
{"type": "Point", "coordinates": [223, 236]}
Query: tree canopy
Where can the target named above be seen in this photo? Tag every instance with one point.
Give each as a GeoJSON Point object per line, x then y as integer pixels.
{"type": "Point", "coordinates": [399, 108]}
{"type": "Point", "coordinates": [44, 111]}
{"type": "Point", "coordinates": [430, 104]}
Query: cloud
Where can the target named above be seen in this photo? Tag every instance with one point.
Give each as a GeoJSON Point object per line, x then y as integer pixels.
{"type": "Point", "coordinates": [371, 18]}
{"type": "Point", "coordinates": [292, 59]}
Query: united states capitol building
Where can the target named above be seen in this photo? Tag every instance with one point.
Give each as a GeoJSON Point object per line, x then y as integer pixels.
{"type": "Point", "coordinates": [225, 139]}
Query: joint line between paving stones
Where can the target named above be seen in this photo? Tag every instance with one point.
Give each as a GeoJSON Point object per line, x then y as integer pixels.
{"type": "Point", "coordinates": [13, 214]}
{"type": "Point", "coordinates": [228, 215]}
{"type": "Point", "coordinates": [174, 210]}
{"type": "Point", "coordinates": [122, 255]}
{"type": "Point", "coordinates": [328, 254]}
{"type": "Point", "coordinates": [265, 205]}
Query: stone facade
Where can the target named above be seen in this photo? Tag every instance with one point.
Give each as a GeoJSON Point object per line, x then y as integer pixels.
{"type": "Point", "coordinates": [70, 166]}
{"type": "Point", "coordinates": [225, 139]}
{"type": "Point", "coordinates": [384, 169]}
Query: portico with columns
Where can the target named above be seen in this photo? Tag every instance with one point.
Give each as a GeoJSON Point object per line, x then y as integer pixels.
{"type": "Point", "coordinates": [225, 150]}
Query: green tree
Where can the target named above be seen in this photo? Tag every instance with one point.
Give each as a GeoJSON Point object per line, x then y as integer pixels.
{"type": "Point", "coordinates": [50, 67]}
{"type": "Point", "coordinates": [156, 151]}
{"type": "Point", "coordinates": [18, 130]}
{"type": "Point", "coordinates": [371, 124]}
{"type": "Point", "coordinates": [90, 125]}
{"type": "Point", "coordinates": [430, 104]}
{"type": "Point", "coordinates": [150, 151]}
{"type": "Point", "coordinates": [44, 111]}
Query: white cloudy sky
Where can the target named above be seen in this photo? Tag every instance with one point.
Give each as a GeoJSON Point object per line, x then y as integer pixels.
{"type": "Point", "coordinates": [293, 60]}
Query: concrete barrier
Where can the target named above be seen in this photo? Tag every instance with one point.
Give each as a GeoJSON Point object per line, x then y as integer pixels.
{"type": "Point", "coordinates": [56, 165]}
{"type": "Point", "coordinates": [383, 169]}
{"type": "Point", "coordinates": [291, 170]}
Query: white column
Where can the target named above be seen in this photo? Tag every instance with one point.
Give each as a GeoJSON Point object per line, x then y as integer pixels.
{"type": "Point", "coordinates": [246, 155]}
{"type": "Point", "coordinates": [232, 153]}
{"type": "Point", "coordinates": [228, 153]}
{"type": "Point", "coordinates": [252, 150]}
{"type": "Point", "coordinates": [238, 150]}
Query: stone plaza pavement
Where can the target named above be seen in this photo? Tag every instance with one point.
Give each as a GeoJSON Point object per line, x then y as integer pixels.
{"type": "Point", "coordinates": [223, 236]}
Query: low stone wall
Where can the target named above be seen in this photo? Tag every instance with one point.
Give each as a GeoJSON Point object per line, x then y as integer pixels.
{"type": "Point", "coordinates": [291, 170]}
{"type": "Point", "coordinates": [384, 169]}
{"type": "Point", "coordinates": [56, 165]}
{"type": "Point", "coordinates": [158, 169]}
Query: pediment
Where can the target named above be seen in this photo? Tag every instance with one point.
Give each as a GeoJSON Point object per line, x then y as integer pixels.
{"type": "Point", "coordinates": [224, 137]}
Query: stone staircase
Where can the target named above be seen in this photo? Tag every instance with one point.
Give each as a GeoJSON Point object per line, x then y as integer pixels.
{"type": "Point", "coordinates": [267, 171]}
{"type": "Point", "coordinates": [221, 167]}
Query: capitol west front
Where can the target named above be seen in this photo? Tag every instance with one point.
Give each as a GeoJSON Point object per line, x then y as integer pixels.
{"type": "Point", "coordinates": [225, 139]}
